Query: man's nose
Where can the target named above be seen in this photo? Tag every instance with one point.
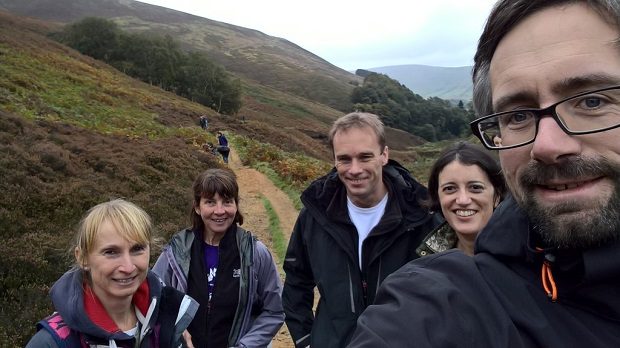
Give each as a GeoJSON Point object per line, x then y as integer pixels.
{"type": "Point", "coordinates": [356, 166]}
{"type": "Point", "coordinates": [552, 143]}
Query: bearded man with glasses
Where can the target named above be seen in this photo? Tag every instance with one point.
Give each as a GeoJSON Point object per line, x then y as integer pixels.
{"type": "Point", "coordinates": [546, 269]}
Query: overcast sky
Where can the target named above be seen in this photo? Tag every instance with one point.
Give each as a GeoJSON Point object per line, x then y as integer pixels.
{"type": "Point", "coordinates": [359, 34]}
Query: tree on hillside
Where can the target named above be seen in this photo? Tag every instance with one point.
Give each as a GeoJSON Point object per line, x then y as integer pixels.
{"type": "Point", "coordinates": [152, 59]}
{"type": "Point", "coordinates": [432, 118]}
{"type": "Point", "coordinates": [209, 84]}
{"type": "Point", "coordinates": [158, 61]}
{"type": "Point", "coordinates": [93, 36]}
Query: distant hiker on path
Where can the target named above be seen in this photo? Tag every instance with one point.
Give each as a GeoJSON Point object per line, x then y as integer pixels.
{"type": "Point", "coordinates": [222, 147]}
{"type": "Point", "coordinates": [204, 123]}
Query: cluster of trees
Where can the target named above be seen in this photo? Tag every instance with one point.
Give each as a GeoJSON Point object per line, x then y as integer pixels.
{"type": "Point", "coordinates": [156, 60]}
{"type": "Point", "coordinates": [432, 119]}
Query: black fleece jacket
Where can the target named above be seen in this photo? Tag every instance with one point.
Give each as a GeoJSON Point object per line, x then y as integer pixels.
{"type": "Point", "coordinates": [213, 321]}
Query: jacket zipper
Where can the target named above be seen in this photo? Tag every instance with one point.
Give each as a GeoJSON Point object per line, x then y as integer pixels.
{"type": "Point", "coordinates": [365, 292]}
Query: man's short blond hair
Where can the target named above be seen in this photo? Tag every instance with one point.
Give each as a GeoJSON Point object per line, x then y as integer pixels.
{"type": "Point", "coordinates": [358, 120]}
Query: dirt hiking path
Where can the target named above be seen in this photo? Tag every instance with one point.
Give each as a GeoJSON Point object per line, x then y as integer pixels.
{"type": "Point", "coordinates": [253, 184]}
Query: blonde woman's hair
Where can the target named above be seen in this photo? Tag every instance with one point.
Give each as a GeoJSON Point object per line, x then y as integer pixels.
{"type": "Point", "coordinates": [131, 222]}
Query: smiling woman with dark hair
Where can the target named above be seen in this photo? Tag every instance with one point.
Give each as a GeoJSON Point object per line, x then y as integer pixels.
{"type": "Point", "coordinates": [465, 186]}
{"type": "Point", "coordinates": [226, 269]}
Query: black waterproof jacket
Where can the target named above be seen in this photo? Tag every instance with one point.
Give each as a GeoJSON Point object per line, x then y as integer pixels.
{"type": "Point", "coordinates": [323, 252]}
{"type": "Point", "coordinates": [497, 299]}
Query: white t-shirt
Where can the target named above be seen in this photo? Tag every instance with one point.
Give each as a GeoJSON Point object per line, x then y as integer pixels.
{"type": "Point", "coordinates": [365, 219]}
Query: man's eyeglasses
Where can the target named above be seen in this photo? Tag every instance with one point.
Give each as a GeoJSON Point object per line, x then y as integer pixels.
{"type": "Point", "coordinates": [584, 113]}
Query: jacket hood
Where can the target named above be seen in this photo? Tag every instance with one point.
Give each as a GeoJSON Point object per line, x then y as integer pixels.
{"type": "Point", "coordinates": [67, 295]}
{"type": "Point", "coordinates": [328, 190]}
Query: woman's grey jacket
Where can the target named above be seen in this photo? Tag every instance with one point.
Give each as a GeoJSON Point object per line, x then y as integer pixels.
{"type": "Point", "coordinates": [260, 285]}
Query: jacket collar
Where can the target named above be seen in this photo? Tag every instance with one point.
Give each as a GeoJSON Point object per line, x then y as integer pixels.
{"type": "Point", "coordinates": [98, 314]}
{"type": "Point", "coordinates": [68, 297]}
{"type": "Point", "coordinates": [497, 239]}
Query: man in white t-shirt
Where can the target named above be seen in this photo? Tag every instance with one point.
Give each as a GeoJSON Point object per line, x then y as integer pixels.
{"type": "Point", "coordinates": [360, 222]}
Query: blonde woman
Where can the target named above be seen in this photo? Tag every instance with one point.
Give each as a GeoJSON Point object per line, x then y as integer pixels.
{"type": "Point", "coordinates": [110, 298]}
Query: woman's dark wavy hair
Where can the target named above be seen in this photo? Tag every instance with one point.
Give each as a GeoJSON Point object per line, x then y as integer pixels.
{"type": "Point", "coordinates": [506, 14]}
{"type": "Point", "coordinates": [467, 154]}
{"type": "Point", "coordinates": [207, 184]}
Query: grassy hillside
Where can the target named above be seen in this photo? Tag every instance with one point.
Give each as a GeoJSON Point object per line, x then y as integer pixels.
{"type": "Point", "coordinates": [248, 53]}
{"type": "Point", "coordinates": [75, 132]}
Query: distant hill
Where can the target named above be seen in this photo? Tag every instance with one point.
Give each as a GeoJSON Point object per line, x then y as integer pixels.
{"type": "Point", "coordinates": [432, 81]}
{"type": "Point", "coordinates": [248, 53]}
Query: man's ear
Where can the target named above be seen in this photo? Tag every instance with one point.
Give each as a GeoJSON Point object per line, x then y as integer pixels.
{"type": "Point", "coordinates": [386, 155]}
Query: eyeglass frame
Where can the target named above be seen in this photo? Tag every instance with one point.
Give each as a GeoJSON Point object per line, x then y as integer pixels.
{"type": "Point", "coordinates": [549, 111]}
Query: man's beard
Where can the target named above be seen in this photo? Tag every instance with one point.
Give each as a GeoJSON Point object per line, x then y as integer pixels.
{"type": "Point", "coordinates": [572, 224]}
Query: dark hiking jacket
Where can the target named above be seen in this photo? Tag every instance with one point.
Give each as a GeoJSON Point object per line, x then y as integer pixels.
{"type": "Point", "coordinates": [496, 298]}
{"type": "Point", "coordinates": [323, 252]}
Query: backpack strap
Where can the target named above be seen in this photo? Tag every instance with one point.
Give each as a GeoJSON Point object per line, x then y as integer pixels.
{"type": "Point", "coordinates": [62, 334]}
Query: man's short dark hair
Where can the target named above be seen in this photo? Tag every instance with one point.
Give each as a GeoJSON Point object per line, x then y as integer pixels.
{"type": "Point", "coordinates": [506, 14]}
